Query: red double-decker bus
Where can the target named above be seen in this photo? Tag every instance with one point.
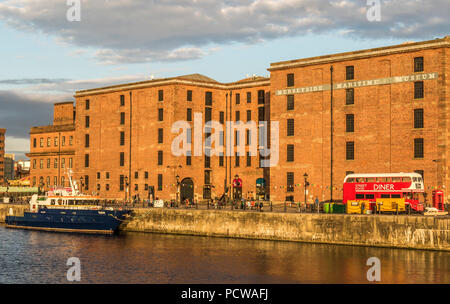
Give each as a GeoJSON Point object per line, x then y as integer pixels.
{"type": "Point", "coordinates": [369, 187]}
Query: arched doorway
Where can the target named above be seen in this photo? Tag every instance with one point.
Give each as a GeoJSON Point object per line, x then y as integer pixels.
{"type": "Point", "coordinates": [187, 189]}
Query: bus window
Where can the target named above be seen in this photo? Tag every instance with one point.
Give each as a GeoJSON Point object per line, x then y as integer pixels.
{"type": "Point", "coordinates": [395, 196]}
{"type": "Point", "coordinates": [370, 179]}
{"type": "Point", "coordinates": [370, 196]}
{"type": "Point", "coordinates": [385, 196]}
{"type": "Point", "coordinates": [359, 180]}
{"type": "Point", "coordinates": [350, 180]}
{"type": "Point", "coordinates": [396, 179]}
{"type": "Point", "coordinates": [406, 179]}
{"type": "Point", "coordinates": [359, 196]}
{"type": "Point", "coordinates": [386, 179]}
{"type": "Point", "coordinates": [415, 179]}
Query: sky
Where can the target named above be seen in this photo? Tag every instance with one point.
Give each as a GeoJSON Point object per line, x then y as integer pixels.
{"type": "Point", "coordinates": [53, 48]}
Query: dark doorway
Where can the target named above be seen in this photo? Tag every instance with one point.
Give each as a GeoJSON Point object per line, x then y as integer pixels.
{"type": "Point", "coordinates": [187, 189]}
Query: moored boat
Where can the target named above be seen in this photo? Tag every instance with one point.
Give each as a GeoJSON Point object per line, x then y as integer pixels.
{"type": "Point", "coordinates": [67, 210]}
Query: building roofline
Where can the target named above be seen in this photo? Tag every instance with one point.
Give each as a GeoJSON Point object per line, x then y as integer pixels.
{"type": "Point", "coordinates": [181, 80]}
{"type": "Point", "coordinates": [381, 51]}
{"type": "Point", "coordinates": [64, 102]}
{"type": "Point", "coordinates": [52, 128]}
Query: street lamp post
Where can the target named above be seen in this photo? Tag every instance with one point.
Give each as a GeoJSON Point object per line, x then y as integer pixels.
{"type": "Point", "coordinates": [178, 189]}
{"type": "Point", "coordinates": [126, 188]}
{"type": "Point", "coordinates": [306, 184]}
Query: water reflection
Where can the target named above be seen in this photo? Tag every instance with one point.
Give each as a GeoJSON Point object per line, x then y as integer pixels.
{"type": "Point", "coordinates": [40, 257]}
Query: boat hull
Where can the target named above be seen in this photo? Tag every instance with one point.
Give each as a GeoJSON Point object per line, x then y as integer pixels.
{"type": "Point", "coordinates": [70, 220]}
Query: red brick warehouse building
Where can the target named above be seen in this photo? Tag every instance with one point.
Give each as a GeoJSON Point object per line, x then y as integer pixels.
{"type": "Point", "coordinates": [389, 115]}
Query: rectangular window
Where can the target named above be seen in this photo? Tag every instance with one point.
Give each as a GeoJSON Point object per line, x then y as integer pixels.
{"type": "Point", "coordinates": [290, 153]}
{"type": "Point", "coordinates": [63, 181]}
{"type": "Point", "coordinates": [34, 142]}
{"type": "Point", "coordinates": [160, 182]}
{"type": "Point", "coordinates": [207, 161]}
{"type": "Point", "coordinates": [87, 104]}
{"type": "Point", "coordinates": [122, 183]}
{"type": "Point", "coordinates": [261, 113]}
{"type": "Point", "coordinates": [418, 148]}
{"type": "Point", "coordinates": [237, 160]}
{"type": "Point", "coordinates": [49, 141]}
{"type": "Point", "coordinates": [249, 97]}
{"type": "Point", "coordinates": [249, 115]}
{"type": "Point", "coordinates": [290, 127]}
{"type": "Point", "coordinates": [290, 102]}
{"type": "Point", "coordinates": [160, 136]}
{"type": "Point", "coordinates": [122, 100]}
{"type": "Point", "coordinates": [350, 123]}
{"type": "Point", "coordinates": [122, 138]}
{"type": "Point", "coordinates": [248, 137]}
{"type": "Point", "coordinates": [222, 117]}
{"type": "Point", "coordinates": [221, 160]}
{"type": "Point", "coordinates": [98, 175]}
{"type": "Point", "coordinates": [208, 114]}
{"type": "Point", "coordinates": [208, 98]}
{"type": "Point", "coordinates": [160, 95]}
{"type": "Point", "coordinates": [238, 116]}
{"type": "Point", "coordinates": [70, 140]}
{"type": "Point", "coordinates": [418, 64]}
{"type": "Point", "coordinates": [48, 163]}
{"type": "Point", "coordinates": [160, 158]}
{"type": "Point", "coordinates": [41, 164]}
{"type": "Point", "coordinates": [107, 187]}
{"type": "Point", "coordinates": [418, 119]}
{"type": "Point", "coordinates": [418, 90]}
{"type": "Point", "coordinates": [189, 95]}
{"type": "Point", "coordinates": [86, 160]}
{"type": "Point", "coordinates": [70, 163]}
{"type": "Point", "coordinates": [188, 160]}
{"type": "Point", "coordinates": [34, 164]}
{"type": "Point", "coordinates": [238, 98]}
{"type": "Point", "coordinates": [122, 118]}
{"type": "Point", "coordinates": [136, 175]}
{"type": "Point", "coordinates": [56, 141]}
{"type": "Point", "coordinates": [290, 80]}
{"type": "Point", "coordinates": [349, 72]}
{"type": "Point", "coordinates": [63, 141]}
{"type": "Point", "coordinates": [189, 114]}
{"type": "Point", "coordinates": [41, 142]}
{"type": "Point", "coordinates": [122, 159]}
{"type": "Point", "coordinates": [146, 174]}
{"type": "Point", "coordinates": [55, 163]}
{"type": "Point", "coordinates": [86, 122]}
{"type": "Point", "coordinates": [261, 97]}
{"type": "Point", "coordinates": [290, 181]}
{"type": "Point", "coordinates": [86, 140]}
{"type": "Point", "coordinates": [349, 96]}
{"type": "Point", "coordinates": [350, 150]}
{"type": "Point", "coordinates": [55, 180]}
{"type": "Point", "coordinates": [160, 114]}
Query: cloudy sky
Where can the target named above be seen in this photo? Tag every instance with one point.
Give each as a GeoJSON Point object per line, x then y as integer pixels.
{"type": "Point", "coordinates": [45, 57]}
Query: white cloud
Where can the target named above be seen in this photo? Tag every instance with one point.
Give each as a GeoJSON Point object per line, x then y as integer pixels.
{"type": "Point", "coordinates": [125, 31]}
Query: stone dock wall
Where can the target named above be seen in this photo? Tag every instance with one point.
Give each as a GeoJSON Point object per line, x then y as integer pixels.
{"type": "Point", "coordinates": [415, 232]}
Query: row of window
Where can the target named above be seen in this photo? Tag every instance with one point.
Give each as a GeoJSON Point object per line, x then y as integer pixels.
{"type": "Point", "coordinates": [55, 163]}
{"type": "Point", "coordinates": [350, 72]}
{"type": "Point", "coordinates": [55, 141]}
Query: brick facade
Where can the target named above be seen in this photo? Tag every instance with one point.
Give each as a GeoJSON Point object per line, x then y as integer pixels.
{"type": "Point", "coordinates": [121, 131]}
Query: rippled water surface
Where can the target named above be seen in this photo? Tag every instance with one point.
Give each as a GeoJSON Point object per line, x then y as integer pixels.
{"type": "Point", "coordinates": [40, 257]}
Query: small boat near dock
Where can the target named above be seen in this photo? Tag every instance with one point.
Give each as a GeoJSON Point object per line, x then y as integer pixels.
{"type": "Point", "coordinates": [67, 210]}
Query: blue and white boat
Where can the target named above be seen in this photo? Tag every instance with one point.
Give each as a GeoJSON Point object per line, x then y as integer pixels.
{"type": "Point", "coordinates": [67, 210]}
